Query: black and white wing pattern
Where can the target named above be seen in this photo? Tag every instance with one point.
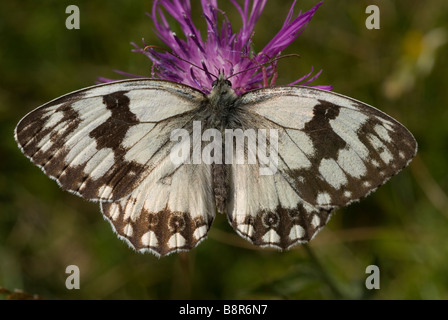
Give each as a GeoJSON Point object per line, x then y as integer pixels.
{"type": "Point", "coordinates": [111, 143]}
{"type": "Point", "coordinates": [332, 150]}
{"type": "Point", "coordinates": [166, 213]}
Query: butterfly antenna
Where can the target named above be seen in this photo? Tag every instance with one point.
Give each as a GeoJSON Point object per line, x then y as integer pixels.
{"type": "Point", "coordinates": [203, 68]}
{"type": "Point", "coordinates": [263, 68]}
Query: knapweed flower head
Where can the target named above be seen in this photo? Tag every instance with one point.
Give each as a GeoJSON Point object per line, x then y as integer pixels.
{"type": "Point", "coordinates": [192, 60]}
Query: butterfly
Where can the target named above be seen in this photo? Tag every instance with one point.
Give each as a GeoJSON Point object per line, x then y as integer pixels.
{"type": "Point", "coordinates": [113, 143]}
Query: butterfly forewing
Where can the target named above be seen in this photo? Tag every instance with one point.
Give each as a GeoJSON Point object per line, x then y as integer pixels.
{"type": "Point", "coordinates": [101, 142]}
{"type": "Point", "coordinates": [332, 149]}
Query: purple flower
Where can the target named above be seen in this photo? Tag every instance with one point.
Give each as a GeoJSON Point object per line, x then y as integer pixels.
{"type": "Point", "coordinates": [193, 61]}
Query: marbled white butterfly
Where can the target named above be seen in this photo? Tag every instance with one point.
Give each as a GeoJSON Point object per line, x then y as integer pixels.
{"type": "Point", "coordinates": [111, 143]}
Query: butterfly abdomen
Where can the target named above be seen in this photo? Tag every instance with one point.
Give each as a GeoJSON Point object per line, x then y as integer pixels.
{"type": "Point", "coordinates": [220, 186]}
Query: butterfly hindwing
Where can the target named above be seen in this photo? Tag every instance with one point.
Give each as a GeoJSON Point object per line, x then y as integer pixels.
{"type": "Point", "coordinates": [268, 212]}
{"type": "Point", "coordinates": [163, 214]}
{"type": "Point", "coordinates": [101, 142]}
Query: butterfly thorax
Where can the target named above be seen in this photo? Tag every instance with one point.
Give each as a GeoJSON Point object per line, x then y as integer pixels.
{"type": "Point", "coordinates": [220, 102]}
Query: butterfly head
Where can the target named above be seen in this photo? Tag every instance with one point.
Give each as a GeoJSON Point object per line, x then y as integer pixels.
{"type": "Point", "coordinates": [222, 91]}
{"type": "Point", "coordinates": [222, 80]}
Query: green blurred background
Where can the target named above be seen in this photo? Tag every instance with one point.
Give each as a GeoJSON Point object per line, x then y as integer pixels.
{"type": "Point", "coordinates": [400, 68]}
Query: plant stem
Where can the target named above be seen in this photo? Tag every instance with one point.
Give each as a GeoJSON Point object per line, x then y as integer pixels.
{"type": "Point", "coordinates": [323, 273]}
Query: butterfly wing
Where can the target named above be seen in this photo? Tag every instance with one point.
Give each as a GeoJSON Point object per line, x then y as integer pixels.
{"type": "Point", "coordinates": [166, 215]}
{"type": "Point", "coordinates": [111, 143]}
{"type": "Point", "coordinates": [102, 141]}
{"type": "Point", "coordinates": [332, 150]}
{"type": "Point", "coordinates": [267, 211]}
